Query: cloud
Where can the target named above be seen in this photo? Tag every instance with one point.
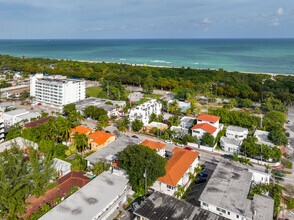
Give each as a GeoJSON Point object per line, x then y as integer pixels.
{"type": "Point", "coordinates": [206, 21]}
{"type": "Point", "coordinates": [280, 12]}
{"type": "Point", "coordinates": [275, 22]}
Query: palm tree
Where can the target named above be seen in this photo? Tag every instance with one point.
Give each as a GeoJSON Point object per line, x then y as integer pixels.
{"type": "Point", "coordinates": [180, 191]}
{"type": "Point", "coordinates": [81, 141]}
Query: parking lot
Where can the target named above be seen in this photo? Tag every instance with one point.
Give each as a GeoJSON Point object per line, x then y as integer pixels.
{"type": "Point", "coordinates": [197, 189]}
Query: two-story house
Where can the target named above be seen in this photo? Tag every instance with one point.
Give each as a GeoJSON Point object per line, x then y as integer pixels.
{"type": "Point", "coordinates": [206, 124]}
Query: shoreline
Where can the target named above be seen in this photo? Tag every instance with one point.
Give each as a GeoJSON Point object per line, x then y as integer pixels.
{"type": "Point", "coordinates": [148, 65]}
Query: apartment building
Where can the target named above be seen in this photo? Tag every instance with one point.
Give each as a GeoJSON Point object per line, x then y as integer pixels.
{"type": "Point", "coordinates": [143, 112]}
{"type": "Point", "coordinates": [56, 90]}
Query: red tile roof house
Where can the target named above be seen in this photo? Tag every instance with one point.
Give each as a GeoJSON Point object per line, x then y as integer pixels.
{"type": "Point", "coordinates": [177, 171]}
{"type": "Point", "coordinates": [159, 147]}
{"type": "Point", "coordinates": [206, 124]}
{"type": "Point", "coordinates": [65, 183]}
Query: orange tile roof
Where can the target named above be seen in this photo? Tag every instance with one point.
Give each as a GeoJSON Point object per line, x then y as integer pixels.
{"type": "Point", "coordinates": [81, 130]}
{"type": "Point", "coordinates": [178, 165]}
{"type": "Point", "coordinates": [205, 126]}
{"type": "Point", "coordinates": [115, 163]}
{"type": "Point", "coordinates": [210, 118]}
{"type": "Point", "coordinates": [153, 144]}
{"type": "Point", "coordinates": [100, 137]}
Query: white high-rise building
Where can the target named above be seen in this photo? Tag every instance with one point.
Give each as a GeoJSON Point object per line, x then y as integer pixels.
{"type": "Point", "coordinates": [56, 90]}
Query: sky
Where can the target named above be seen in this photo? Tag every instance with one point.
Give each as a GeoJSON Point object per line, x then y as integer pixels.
{"type": "Point", "coordinates": [128, 19]}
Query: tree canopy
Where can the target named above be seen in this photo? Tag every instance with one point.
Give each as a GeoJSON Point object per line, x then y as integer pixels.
{"type": "Point", "coordinates": [136, 159]}
{"type": "Point", "coordinates": [207, 139]}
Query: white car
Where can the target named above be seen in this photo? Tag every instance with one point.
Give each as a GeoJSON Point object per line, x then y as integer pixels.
{"type": "Point", "coordinates": [168, 141]}
{"type": "Point", "coordinates": [180, 145]}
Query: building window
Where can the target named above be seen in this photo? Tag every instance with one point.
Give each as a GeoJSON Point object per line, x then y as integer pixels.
{"type": "Point", "coordinates": [205, 204]}
{"type": "Point", "coordinates": [170, 187]}
{"type": "Point", "coordinates": [221, 210]}
{"type": "Point", "coordinates": [237, 216]}
{"type": "Point", "coordinates": [229, 213]}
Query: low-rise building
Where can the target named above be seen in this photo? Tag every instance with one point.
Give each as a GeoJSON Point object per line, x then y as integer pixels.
{"type": "Point", "coordinates": [6, 91]}
{"type": "Point", "coordinates": [15, 94]}
{"type": "Point", "coordinates": [230, 145]}
{"type": "Point", "coordinates": [157, 125]}
{"type": "Point", "coordinates": [187, 122]}
{"type": "Point", "coordinates": [113, 108]}
{"type": "Point", "coordinates": [12, 117]}
{"type": "Point", "coordinates": [262, 138]}
{"type": "Point", "coordinates": [179, 131]}
{"type": "Point", "coordinates": [237, 133]}
{"type": "Point", "coordinates": [99, 140]}
{"type": "Point", "coordinates": [109, 154]}
{"type": "Point", "coordinates": [227, 190]}
{"type": "Point", "coordinates": [4, 106]}
{"type": "Point", "coordinates": [143, 112]}
{"type": "Point", "coordinates": [37, 123]}
{"type": "Point", "coordinates": [18, 142]}
{"type": "Point", "coordinates": [160, 206]}
{"type": "Point", "coordinates": [177, 171]}
{"type": "Point", "coordinates": [62, 167]}
{"type": "Point", "coordinates": [159, 147]}
{"type": "Point", "coordinates": [206, 124]}
{"type": "Point", "coordinates": [135, 96]}
{"type": "Point", "coordinates": [96, 200]}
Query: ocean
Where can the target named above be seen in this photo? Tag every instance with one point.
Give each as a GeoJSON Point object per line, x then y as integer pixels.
{"type": "Point", "coordinates": [247, 55]}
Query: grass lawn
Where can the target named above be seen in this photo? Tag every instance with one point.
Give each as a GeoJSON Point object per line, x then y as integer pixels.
{"type": "Point", "coordinates": [71, 150]}
{"type": "Point", "coordinates": [290, 205]}
{"type": "Point", "coordinates": [152, 96]}
{"type": "Point", "coordinates": [287, 163]}
{"type": "Point", "coordinates": [93, 91]}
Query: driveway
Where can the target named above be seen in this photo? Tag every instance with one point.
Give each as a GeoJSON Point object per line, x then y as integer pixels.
{"type": "Point", "coordinates": [196, 190]}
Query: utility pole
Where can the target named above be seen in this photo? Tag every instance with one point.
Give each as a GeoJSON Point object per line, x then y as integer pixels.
{"type": "Point", "coordinates": [145, 175]}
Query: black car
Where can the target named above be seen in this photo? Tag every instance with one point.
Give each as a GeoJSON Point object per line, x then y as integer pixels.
{"type": "Point", "coordinates": [200, 180]}
{"type": "Point", "coordinates": [134, 136]}
{"type": "Point", "coordinates": [288, 134]}
{"type": "Point", "coordinates": [228, 156]}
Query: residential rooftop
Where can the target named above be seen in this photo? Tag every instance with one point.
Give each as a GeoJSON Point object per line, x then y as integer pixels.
{"type": "Point", "coordinates": [229, 187]}
{"type": "Point", "coordinates": [231, 141]}
{"type": "Point", "coordinates": [110, 152]}
{"type": "Point", "coordinates": [100, 103]}
{"type": "Point", "coordinates": [159, 206]}
{"type": "Point", "coordinates": [37, 122]}
{"type": "Point", "coordinates": [16, 112]}
{"type": "Point", "coordinates": [156, 124]}
{"type": "Point", "coordinates": [18, 142]}
{"type": "Point", "coordinates": [262, 137]}
{"type": "Point", "coordinates": [187, 120]}
{"type": "Point", "coordinates": [82, 130]}
{"type": "Point", "coordinates": [100, 137]}
{"type": "Point", "coordinates": [205, 126]}
{"type": "Point", "coordinates": [91, 200]}
{"type": "Point", "coordinates": [178, 165]}
{"type": "Point", "coordinates": [29, 115]}
{"type": "Point", "coordinates": [153, 144]}
{"type": "Point", "coordinates": [210, 118]}
{"type": "Point", "coordinates": [236, 128]}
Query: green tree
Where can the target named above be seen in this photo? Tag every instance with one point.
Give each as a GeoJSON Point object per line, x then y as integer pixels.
{"type": "Point", "coordinates": [148, 85]}
{"type": "Point", "coordinates": [207, 139]}
{"type": "Point", "coordinates": [81, 141]}
{"type": "Point", "coordinates": [278, 137]}
{"type": "Point", "coordinates": [103, 122]}
{"type": "Point", "coordinates": [136, 159]}
{"type": "Point", "coordinates": [271, 103]}
{"type": "Point", "coordinates": [247, 103]}
{"type": "Point", "coordinates": [273, 119]}
{"type": "Point", "coordinates": [100, 167]}
{"type": "Point", "coordinates": [69, 109]}
{"type": "Point", "coordinates": [153, 117]}
{"type": "Point", "coordinates": [123, 125]}
{"type": "Point", "coordinates": [41, 174]}
{"type": "Point", "coordinates": [137, 125]}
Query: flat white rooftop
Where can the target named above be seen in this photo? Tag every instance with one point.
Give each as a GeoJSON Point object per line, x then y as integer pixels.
{"type": "Point", "coordinates": [90, 200]}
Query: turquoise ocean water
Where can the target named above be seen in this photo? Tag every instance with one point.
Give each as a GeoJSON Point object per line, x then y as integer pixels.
{"type": "Point", "coordinates": [249, 55]}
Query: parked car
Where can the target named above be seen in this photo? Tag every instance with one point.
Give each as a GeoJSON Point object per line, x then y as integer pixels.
{"type": "Point", "coordinates": [202, 175]}
{"type": "Point", "coordinates": [39, 103]}
{"type": "Point", "coordinates": [279, 173]}
{"type": "Point", "coordinates": [228, 156]}
{"type": "Point", "coordinates": [135, 205]}
{"type": "Point", "coordinates": [168, 141]}
{"type": "Point", "coordinates": [134, 136]}
{"type": "Point", "coordinates": [180, 145]}
{"type": "Point", "coordinates": [188, 148]}
{"type": "Point", "coordinates": [288, 122]}
{"type": "Point", "coordinates": [202, 167]}
{"type": "Point", "coordinates": [200, 180]}
{"type": "Point", "coordinates": [288, 134]}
